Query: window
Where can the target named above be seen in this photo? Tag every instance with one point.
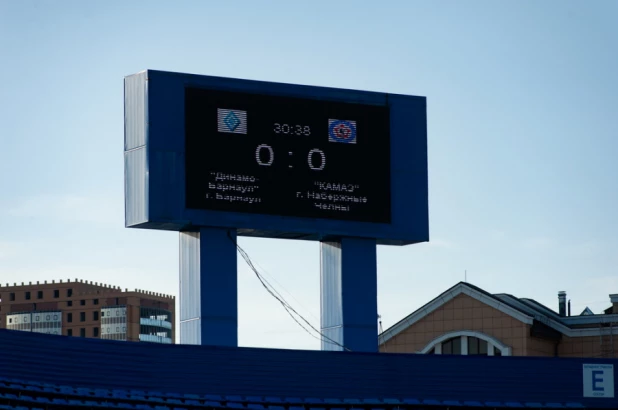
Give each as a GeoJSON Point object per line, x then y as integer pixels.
{"type": "Point", "coordinates": [11, 297]}
{"type": "Point", "coordinates": [467, 343]}
{"type": "Point", "coordinates": [102, 314]}
{"type": "Point", "coordinates": [69, 292]}
{"type": "Point", "coordinates": [95, 302]}
{"type": "Point", "coordinates": [477, 346]}
{"type": "Point", "coordinates": [95, 332]}
{"type": "Point", "coordinates": [95, 315]}
{"type": "Point", "coordinates": [82, 302]}
{"type": "Point", "coordinates": [39, 294]}
{"type": "Point", "coordinates": [69, 317]}
{"type": "Point", "coordinates": [82, 332]}
{"type": "Point", "coordinates": [27, 295]}
{"type": "Point", "coordinates": [69, 332]}
{"type": "Point", "coordinates": [69, 303]}
{"type": "Point", "coordinates": [56, 293]}
{"type": "Point", "coordinates": [452, 346]}
{"type": "Point", "coordinates": [82, 316]}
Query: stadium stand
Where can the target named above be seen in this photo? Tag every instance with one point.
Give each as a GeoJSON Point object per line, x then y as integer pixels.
{"type": "Point", "coordinates": [41, 371]}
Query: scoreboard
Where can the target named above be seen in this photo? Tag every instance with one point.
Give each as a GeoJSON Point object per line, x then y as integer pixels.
{"type": "Point", "coordinates": [274, 160]}
{"type": "Point", "coordinates": [287, 156]}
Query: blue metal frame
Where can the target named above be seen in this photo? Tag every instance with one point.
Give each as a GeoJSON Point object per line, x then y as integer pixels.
{"type": "Point", "coordinates": [155, 172]}
{"type": "Point", "coordinates": [208, 287]}
{"type": "Point", "coordinates": [349, 302]}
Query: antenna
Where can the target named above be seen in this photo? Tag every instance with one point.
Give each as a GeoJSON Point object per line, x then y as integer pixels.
{"type": "Point", "coordinates": [380, 329]}
{"type": "Point", "coordinates": [465, 276]}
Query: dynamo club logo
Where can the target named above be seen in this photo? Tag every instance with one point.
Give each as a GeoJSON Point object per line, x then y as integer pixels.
{"type": "Point", "coordinates": [232, 121]}
{"type": "Point", "coordinates": [342, 131]}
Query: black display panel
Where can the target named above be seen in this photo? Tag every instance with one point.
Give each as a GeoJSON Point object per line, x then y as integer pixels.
{"type": "Point", "coordinates": [287, 156]}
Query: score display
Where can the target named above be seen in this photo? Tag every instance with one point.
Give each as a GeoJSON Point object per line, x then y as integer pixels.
{"type": "Point", "coordinates": [287, 156]}
{"type": "Point", "coordinates": [274, 160]}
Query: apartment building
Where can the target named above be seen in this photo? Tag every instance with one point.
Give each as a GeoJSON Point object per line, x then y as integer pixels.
{"type": "Point", "coordinates": [85, 309]}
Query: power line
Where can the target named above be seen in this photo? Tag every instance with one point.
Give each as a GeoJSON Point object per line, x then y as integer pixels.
{"type": "Point", "coordinates": [283, 302]}
{"type": "Point", "coordinates": [289, 309]}
{"type": "Point", "coordinates": [268, 287]}
{"type": "Point", "coordinates": [266, 273]}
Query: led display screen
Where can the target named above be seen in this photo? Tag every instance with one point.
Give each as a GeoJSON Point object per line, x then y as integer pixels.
{"type": "Point", "coordinates": [277, 155]}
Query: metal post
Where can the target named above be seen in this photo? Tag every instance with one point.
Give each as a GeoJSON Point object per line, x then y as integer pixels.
{"type": "Point", "coordinates": [349, 302]}
{"type": "Point", "coordinates": [208, 287]}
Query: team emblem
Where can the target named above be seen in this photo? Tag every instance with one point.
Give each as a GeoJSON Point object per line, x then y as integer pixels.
{"type": "Point", "coordinates": [233, 121]}
{"type": "Point", "coordinates": [342, 131]}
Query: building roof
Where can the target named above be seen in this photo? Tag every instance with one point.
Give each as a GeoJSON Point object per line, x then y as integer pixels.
{"type": "Point", "coordinates": [83, 288]}
{"type": "Point", "coordinates": [586, 312]}
{"type": "Point", "coordinates": [523, 309]}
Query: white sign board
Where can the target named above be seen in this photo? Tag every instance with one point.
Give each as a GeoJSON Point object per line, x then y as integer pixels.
{"type": "Point", "coordinates": [599, 380]}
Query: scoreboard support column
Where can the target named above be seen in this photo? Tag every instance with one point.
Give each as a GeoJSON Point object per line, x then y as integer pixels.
{"type": "Point", "coordinates": [349, 301]}
{"type": "Point", "coordinates": [209, 287]}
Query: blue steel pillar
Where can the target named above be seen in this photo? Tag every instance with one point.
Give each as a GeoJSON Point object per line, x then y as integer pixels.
{"type": "Point", "coordinates": [349, 300]}
{"type": "Point", "coordinates": [208, 287]}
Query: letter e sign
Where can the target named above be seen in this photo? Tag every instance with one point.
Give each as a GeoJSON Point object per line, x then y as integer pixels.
{"type": "Point", "coordinates": [599, 380]}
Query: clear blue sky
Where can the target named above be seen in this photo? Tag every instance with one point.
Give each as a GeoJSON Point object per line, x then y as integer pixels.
{"type": "Point", "coordinates": [523, 139]}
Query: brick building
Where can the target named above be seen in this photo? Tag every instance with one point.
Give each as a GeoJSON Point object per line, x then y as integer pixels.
{"type": "Point", "coordinates": [86, 309]}
{"type": "Point", "coordinates": [468, 320]}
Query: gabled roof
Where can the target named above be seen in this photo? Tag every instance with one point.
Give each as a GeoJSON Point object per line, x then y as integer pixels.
{"type": "Point", "coordinates": [586, 312]}
{"type": "Point", "coordinates": [523, 309]}
{"type": "Point", "coordinates": [460, 288]}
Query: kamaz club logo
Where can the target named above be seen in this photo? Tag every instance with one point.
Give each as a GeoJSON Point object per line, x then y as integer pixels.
{"type": "Point", "coordinates": [342, 131]}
